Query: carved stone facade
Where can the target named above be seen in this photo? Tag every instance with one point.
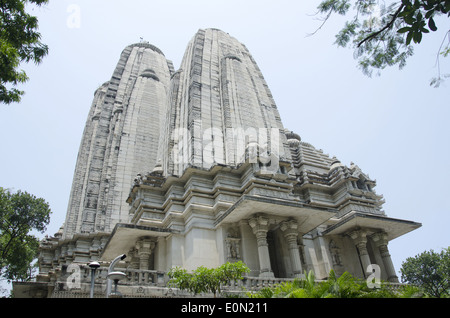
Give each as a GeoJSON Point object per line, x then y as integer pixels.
{"type": "Point", "coordinates": [215, 178]}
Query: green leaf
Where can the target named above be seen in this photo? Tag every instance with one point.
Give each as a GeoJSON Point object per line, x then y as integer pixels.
{"type": "Point", "coordinates": [432, 24]}
{"type": "Point", "coordinates": [429, 14]}
{"type": "Point", "coordinates": [406, 2]}
{"type": "Point", "coordinates": [409, 37]}
{"type": "Point", "coordinates": [419, 16]}
{"type": "Point", "coordinates": [404, 30]}
{"type": "Point", "coordinates": [409, 19]}
{"type": "Point", "coordinates": [445, 52]}
{"type": "Point", "coordinates": [417, 37]}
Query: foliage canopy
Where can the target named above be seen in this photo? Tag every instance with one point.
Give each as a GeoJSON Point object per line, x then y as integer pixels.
{"type": "Point", "coordinates": [430, 271]}
{"type": "Point", "coordinates": [204, 280]}
{"type": "Point", "coordinates": [382, 33]}
{"type": "Point", "coordinates": [20, 214]}
{"type": "Point", "coordinates": [19, 42]}
{"type": "Point", "coordinates": [344, 286]}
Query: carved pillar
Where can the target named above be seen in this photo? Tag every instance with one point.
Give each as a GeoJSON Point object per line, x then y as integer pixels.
{"type": "Point", "coordinates": [260, 226]}
{"type": "Point", "coordinates": [381, 242]}
{"type": "Point", "coordinates": [132, 258]}
{"type": "Point", "coordinates": [359, 237]}
{"type": "Point", "coordinates": [326, 257]}
{"type": "Point", "coordinates": [144, 248]}
{"type": "Point", "coordinates": [290, 231]}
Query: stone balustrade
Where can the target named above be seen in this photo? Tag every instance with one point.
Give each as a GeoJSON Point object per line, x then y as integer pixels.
{"type": "Point", "coordinates": [133, 276]}
{"type": "Point", "coordinates": [254, 283]}
{"type": "Point", "coordinates": [158, 280]}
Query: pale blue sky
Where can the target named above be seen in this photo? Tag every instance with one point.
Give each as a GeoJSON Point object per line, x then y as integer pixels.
{"type": "Point", "coordinates": [395, 127]}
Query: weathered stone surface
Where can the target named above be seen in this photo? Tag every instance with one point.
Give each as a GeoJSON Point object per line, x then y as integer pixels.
{"type": "Point", "coordinates": [219, 100]}
{"type": "Point", "coordinates": [120, 139]}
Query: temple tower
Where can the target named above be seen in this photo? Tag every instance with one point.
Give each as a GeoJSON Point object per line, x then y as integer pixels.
{"type": "Point", "coordinates": [220, 103]}
{"type": "Point", "coordinates": [120, 139]}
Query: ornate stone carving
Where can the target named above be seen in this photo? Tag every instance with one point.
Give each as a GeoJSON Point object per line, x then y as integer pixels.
{"type": "Point", "coordinates": [144, 247]}
{"type": "Point", "coordinates": [233, 246]}
{"type": "Point", "coordinates": [335, 254]}
{"type": "Point", "coordinates": [133, 258]}
{"type": "Point", "coordinates": [138, 180]}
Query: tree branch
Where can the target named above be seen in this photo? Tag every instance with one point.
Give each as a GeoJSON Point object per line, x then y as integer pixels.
{"type": "Point", "coordinates": [323, 23]}
{"type": "Point", "coordinates": [387, 26]}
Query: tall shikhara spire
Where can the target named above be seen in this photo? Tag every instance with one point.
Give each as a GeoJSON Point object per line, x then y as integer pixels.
{"type": "Point", "coordinates": [120, 139]}
{"type": "Point", "coordinates": [219, 102]}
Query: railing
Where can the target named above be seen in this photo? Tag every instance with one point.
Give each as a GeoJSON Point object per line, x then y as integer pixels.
{"type": "Point", "coordinates": [153, 278]}
{"type": "Point", "coordinates": [142, 277]}
{"type": "Point", "coordinates": [159, 278]}
{"type": "Point", "coordinates": [133, 276]}
{"type": "Point", "coordinates": [255, 283]}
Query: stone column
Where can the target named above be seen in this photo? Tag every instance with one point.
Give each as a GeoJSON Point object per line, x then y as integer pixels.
{"type": "Point", "coordinates": [260, 226]}
{"type": "Point", "coordinates": [160, 262]}
{"type": "Point", "coordinates": [326, 257]}
{"type": "Point", "coordinates": [290, 231]}
{"type": "Point", "coordinates": [381, 242]}
{"type": "Point", "coordinates": [144, 249]}
{"type": "Point", "coordinates": [359, 237]}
